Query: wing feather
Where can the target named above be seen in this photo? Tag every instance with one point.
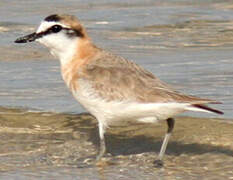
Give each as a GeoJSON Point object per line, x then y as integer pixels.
{"type": "Point", "coordinates": [115, 78]}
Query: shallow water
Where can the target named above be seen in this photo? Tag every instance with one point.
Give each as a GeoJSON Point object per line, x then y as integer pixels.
{"type": "Point", "coordinates": [185, 43]}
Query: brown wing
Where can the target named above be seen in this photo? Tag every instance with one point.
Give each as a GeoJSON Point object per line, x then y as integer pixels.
{"type": "Point", "coordinates": [115, 78]}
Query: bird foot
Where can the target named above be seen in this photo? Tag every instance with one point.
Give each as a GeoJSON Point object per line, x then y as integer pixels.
{"type": "Point", "coordinates": [158, 163]}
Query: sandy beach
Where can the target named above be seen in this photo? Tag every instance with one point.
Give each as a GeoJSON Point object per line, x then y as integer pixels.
{"type": "Point", "coordinates": [57, 145]}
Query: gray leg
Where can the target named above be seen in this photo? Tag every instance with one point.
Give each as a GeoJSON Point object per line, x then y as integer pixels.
{"type": "Point", "coordinates": [170, 123]}
{"type": "Point", "coordinates": [102, 148]}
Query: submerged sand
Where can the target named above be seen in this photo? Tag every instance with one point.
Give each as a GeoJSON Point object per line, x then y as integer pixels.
{"type": "Point", "coordinates": [50, 145]}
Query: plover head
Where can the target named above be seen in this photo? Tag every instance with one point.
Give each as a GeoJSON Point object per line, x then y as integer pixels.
{"type": "Point", "coordinates": [60, 33]}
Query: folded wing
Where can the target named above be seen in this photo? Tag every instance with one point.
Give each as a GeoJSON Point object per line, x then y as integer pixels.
{"type": "Point", "coordinates": [117, 79]}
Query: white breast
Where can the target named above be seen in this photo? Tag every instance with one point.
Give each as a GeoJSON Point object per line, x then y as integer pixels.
{"type": "Point", "coordinates": [110, 112]}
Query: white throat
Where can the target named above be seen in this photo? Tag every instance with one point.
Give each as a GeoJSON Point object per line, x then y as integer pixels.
{"type": "Point", "coordinates": [60, 45]}
{"type": "Point", "coordinates": [65, 50]}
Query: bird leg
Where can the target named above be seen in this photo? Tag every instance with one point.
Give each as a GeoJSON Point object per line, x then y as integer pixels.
{"type": "Point", "coordinates": [102, 148]}
{"type": "Point", "coordinates": [170, 123]}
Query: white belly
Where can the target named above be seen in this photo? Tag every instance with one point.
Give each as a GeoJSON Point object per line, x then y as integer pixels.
{"type": "Point", "coordinates": [108, 112]}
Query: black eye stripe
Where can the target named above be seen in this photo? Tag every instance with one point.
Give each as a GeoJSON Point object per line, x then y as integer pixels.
{"type": "Point", "coordinates": [70, 32]}
{"type": "Point", "coordinates": [73, 32]}
{"type": "Point", "coordinates": [51, 31]}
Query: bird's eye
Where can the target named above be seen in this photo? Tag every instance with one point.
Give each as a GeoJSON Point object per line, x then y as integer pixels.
{"type": "Point", "coordinates": [56, 28]}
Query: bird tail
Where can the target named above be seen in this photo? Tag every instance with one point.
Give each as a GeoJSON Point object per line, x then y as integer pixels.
{"type": "Point", "coordinates": [205, 108]}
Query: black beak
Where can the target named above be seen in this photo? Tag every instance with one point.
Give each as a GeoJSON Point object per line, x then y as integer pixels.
{"type": "Point", "coordinates": [28, 38]}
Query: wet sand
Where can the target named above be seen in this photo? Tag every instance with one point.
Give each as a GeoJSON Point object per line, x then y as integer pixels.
{"type": "Point", "coordinates": [37, 145]}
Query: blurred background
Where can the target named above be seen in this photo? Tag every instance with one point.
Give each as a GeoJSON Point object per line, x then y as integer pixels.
{"type": "Point", "coordinates": [186, 43]}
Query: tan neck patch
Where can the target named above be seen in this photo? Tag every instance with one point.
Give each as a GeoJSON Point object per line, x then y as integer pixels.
{"type": "Point", "coordinates": [85, 53]}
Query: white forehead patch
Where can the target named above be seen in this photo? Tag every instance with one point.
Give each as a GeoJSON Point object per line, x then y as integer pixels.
{"type": "Point", "coordinates": [45, 25]}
